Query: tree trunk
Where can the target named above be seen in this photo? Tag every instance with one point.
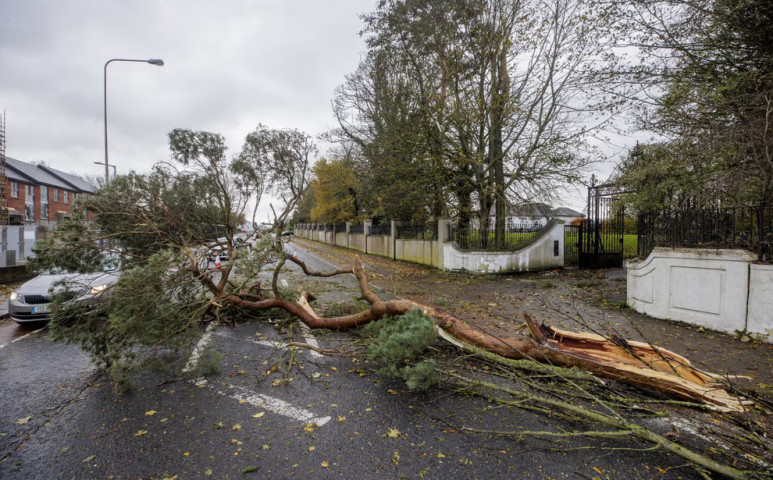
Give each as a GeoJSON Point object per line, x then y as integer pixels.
{"type": "Point", "coordinates": [634, 363]}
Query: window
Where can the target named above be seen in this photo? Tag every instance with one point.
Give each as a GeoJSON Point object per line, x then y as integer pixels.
{"type": "Point", "coordinates": [14, 189]}
{"type": "Point", "coordinates": [65, 194]}
{"type": "Point", "coordinates": [56, 194]}
{"type": "Point", "coordinates": [43, 202]}
{"type": "Point", "coordinates": [29, 203]}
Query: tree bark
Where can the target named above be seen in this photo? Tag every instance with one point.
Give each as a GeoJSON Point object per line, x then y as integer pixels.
{"type": "Point", "coordinates": [629, 362]}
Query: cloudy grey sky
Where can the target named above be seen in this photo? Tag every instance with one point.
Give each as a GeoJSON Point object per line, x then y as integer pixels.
{"type": "Point", "coordinates": [229, 65]}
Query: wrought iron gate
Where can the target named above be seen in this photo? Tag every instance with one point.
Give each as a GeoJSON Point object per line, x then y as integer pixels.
{"type": "Point", "coordinates": [571, 245]}
{"type": "Point", "coordinates": [600, 239]}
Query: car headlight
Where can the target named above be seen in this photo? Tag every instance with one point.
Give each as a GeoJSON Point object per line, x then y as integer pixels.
{"type": "Point", "coordinates": [97, 289]}
{"type": "Point", "coordinates": [14, 296]}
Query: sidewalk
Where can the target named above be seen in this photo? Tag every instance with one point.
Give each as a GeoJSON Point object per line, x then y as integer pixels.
{"type": "Point", "coordinates": [579, 300]}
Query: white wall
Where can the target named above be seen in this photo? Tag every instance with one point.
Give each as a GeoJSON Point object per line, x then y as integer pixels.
{"type": "Point", "coordinates": [539, 255]}
{"type": "Point", "coordinates": [711, 288]}
{"type": "Point", "coordinates": [760, 316]}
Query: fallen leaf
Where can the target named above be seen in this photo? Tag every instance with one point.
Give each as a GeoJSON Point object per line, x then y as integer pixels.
{"type": "Point", "coordinates": [325, 464]}
{"type": "Point", "coordinates": [89, 458]}
{"type": "Point", "coordinates": [393, 433]}
{"type": "Point", "coordinates": [312, 448]}
{"type": "Point", "coordinates": [141, 433]}
{"type": "Point", "coordinates": [341, 418]}
{"type": "Point", "coordinates": [236, 427]}
{"type": "Point", "coordinates": [218, 425]}
{"type": "Point", "coordinates": [259, 414]}
{"type": "Point", "coordinates": [316, 375]}
{"type": "Point", "coordinates": [242, 401]}
{"type": "Point", "coordinates": [164, 420]}
{"type": "Point", "coordinates": [440, 455]}
{"type": "Point", "coordinates": [208, 472]}
{"type": "Point", "coordinates": [311, 427]}
{"type": "Point", "coordinates": [265, 447]}
{"type": "Point", "coordinates": [150, 413]}
{"type": "Point", "coordinates": [250, 469]}
{"type": "Point", "coordinates": [22, 421]}
{"type": "Point", "coordinates": [393, 392]}
{"type": "Point", "coordinates": [334, 369]}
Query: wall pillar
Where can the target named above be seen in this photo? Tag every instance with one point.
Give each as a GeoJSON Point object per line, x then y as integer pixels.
{"type": "Point", "coordinates": [365, 231]}
{"type": "Point", "coordinates": [393, 239]}
{"type": "Point", "coordinates": [348, 226]}
{"type": "Point", "coordinates": [443, 225]}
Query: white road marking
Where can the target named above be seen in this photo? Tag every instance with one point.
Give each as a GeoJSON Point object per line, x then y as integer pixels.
{"type": "Point", "coordinates": [22, 337]}
{"type": "Point", "coordinates": [275, 405]}
{"type": "Point", "coordinates": [309, 339]}
{"type": "Point", "coordinates": [199, 349]}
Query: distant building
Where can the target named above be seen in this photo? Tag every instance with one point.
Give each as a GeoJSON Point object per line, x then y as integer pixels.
{"type": "Point", "coordinates": [40, 195]}
{"type": "Point", "coordinates": [534, 215]}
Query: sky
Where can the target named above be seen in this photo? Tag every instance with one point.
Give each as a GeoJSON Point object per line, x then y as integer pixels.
{"type": "Point", "coordinates": [229, 65]}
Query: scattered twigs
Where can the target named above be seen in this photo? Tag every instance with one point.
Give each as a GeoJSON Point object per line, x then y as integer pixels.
{"type": "Point", "coordinates": [617, 423]}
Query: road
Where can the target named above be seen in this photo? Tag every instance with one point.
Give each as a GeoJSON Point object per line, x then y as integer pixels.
{"type": "Point", "coordinates": [251, 416]}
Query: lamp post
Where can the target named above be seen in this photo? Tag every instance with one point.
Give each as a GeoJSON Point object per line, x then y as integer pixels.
{"type": "Point", "coordinates": [115, 173]}
{"type": "Point", "coordinates": [153, 61]}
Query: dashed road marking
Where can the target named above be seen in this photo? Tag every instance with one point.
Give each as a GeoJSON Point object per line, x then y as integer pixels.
{"type": "Point", "coordinates": [275, 405]}
{"type": "Point", "coordinates": [22, 337]}
{"type": "Point", "coordinates": [267, 402]}
{"type": "Point", "coordinates": [193, 361]}
{"type": "Point", "coordinates": [310, 339]}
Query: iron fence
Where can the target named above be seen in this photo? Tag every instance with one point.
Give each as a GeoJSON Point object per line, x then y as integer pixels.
{"type": "Point", "coordinates": [749, 228]}
{"type": "Point", "coordinates": [385, 229]}
{"type": "Point", "coordinates": [340, 227]}
{"type": "Point", "coordinates": [417, 231]}
{"type": "Point", "coordinates": [357, 228]}
{"type": "Point", "coordinates": [473, 237]}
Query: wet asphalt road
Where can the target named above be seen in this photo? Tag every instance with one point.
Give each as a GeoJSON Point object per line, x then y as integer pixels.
{"type": "Point", "coordinates": [249, 420]}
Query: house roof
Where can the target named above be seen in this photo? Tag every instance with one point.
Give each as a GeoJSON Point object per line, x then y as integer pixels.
{"type": "Point", "coordinates": [43, 175]}
{"type": "Point", "coordinates": [538, 210]}
{"type": "Point", "coordinates": [29, 173]}
{"type": "Point", "coordinates": [80, 184]}
{"type": "Point", "coordinates": [566, 212]}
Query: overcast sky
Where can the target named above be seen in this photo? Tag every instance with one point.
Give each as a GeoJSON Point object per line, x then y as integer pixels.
{"type": "Point", "coordinates": [229, 66]}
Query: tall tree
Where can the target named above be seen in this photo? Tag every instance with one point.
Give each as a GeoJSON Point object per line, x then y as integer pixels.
{"type": "Point", "coordinates": [335, 189]}
{"type": "Point", "coordinates": [491, 96]}
{"type": "Point", "coordinates": [704, 81]}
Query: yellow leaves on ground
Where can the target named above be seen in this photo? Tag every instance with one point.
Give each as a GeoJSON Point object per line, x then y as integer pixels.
{"type": "Point", "coordinates": [259, 414]}
{"type": "Point", "coordinates": [325, 464]}
{"type": "Point", "coordinates": [22, 421]}
{"type": "Point", "coordinates": [140, 433]}
{"type": "Point", "coordinates": [340, 418]}
{"type": "Point", "coordinates": [236, 427]}
{"type": "Point", "coordinates": [150, 413]}
{"type": "Point", "coordinates": [311, 427]}
{"type": "Point", "coordinates": [393, 433]}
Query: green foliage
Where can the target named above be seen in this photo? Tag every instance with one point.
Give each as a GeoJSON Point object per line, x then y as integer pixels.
{"type": "Point", "coordinates": [148, 307]}
{"type": "Point", "coordinates": [335, 187]}
{"type": "Point", "coordinates": [398, 345]}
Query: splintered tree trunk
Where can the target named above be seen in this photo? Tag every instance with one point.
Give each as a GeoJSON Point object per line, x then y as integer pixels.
{"type": "Point", "coordinates": [629, 362]}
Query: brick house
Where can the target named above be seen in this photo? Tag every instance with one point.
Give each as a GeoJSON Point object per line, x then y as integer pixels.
{"type": "Point", "coordinates": [40, 195]}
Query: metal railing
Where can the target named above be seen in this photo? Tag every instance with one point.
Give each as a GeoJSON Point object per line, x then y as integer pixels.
{"type": "Point", "coordinates": [749, 228]}
{"type": "Point", "coordinates": [385, 229]}
{"type": "Point", "coordinates": [357, 228]}
{"type": "Point", "coordinates": [473, 237]}
{"type": "Point", "coordinates": [417, 232]}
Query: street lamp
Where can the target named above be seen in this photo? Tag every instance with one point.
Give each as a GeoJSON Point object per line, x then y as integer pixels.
{"type": "Point", "coordinates": [153, 61]}
{"type": "Point", "coordinates": [115, 174]}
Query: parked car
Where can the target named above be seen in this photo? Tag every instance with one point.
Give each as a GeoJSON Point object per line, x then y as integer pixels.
{"type": "Point", "coordinates": [31, 302]}
{"type": "Point", "coordinates": [288, 233]}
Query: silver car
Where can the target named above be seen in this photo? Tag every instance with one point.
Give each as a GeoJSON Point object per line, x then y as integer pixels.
{"type": "Point", "coordinates": [31, 302]}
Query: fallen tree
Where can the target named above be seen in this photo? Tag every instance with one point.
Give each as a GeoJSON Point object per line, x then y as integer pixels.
{"type": "Point", "coordinates": [165, 226]}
